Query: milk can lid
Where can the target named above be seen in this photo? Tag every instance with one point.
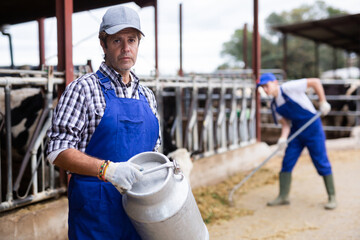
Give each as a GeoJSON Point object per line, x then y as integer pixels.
{"type": "Point", "coordinates": [154, 181]}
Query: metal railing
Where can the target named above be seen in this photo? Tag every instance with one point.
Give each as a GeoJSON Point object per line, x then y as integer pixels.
{"type": "Point", "coordinates": [204, 114]}
{"type": "Point", "coordinates": [41, 176]}
{"type": "Point", "coordinates": [207, 115]}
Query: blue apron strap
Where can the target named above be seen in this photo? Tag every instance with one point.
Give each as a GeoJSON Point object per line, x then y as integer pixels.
{"type": "Point", "coordinates": [104, 81]}
{"type": "Point", "coordinates": [274, 105]}
{"type": "Point", "coordinates": [286, 97]}
{"type": "Point", "coordinates": [142, 95]}
{"type": "Point", "coordinates": [105, 84]}
{"type": "Point", "coordinates": [273, 110]}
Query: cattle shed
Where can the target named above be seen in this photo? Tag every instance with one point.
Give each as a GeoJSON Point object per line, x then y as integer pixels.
{"type": "Point", "coordinates": [21, 11]}
{"type": "Point", "coordinates": [341, 32]}
{"type": "Point", "coordinates": [218, 116]}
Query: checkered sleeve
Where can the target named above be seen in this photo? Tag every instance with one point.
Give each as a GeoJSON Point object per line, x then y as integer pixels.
{"type": "Point", "coordinates": [153, 105]}
{"type": "Point", "coordinates": [69, 119]}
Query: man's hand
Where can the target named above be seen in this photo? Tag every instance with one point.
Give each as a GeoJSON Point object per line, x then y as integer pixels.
{"type": "Point", "coordinates": [281, 143]}
{"type": "Point", "coordinates": [325, 108]}
{"type": "Point", "coordinates": [123, 175]}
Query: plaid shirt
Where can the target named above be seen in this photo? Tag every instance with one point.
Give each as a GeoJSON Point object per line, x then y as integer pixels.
{"type": "Point", "coordinates": [82, 106]}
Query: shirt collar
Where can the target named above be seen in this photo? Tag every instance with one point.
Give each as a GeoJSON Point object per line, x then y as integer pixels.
{"type": "Point", "coordinates": [115, 76]}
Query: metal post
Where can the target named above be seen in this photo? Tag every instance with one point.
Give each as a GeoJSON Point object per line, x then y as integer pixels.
{"type": "Point", "coordinates": [221, 121]}
{"type": "Point", "coordinates": [233, 119]}
{"type": "Point", "coordinates": [191, 136]}
{"type": "Point", "coordinates": [243, 120]}
{"type": "Point", "coordinates": [9, 195]}
{"type": "Point", "coordinates": [316, 70]}
{"type": "Point", "coordinates": [334, 62]}
{"type": "Point", "coordinates": [64, 10]}
{"type": "Point", "coordinates": [207, 131]}
{"type": "Point", "coordinates": [179, 121]}
{"type": "Point", "coordinates": [41, 42]}
{"type": "Point", "coordinates": [156, 39]}
{"type": "Point", "coordinates": [181, 73]}
{"type": "Point", "coordinates": [34, 176]}
{"type": "Point", "coordinates": [252, 122]}
{"type": "Point", "coordinates": [285, 54]}
{"type": "Point", "coordinates": [245, 46]}
{"type": "Point", "coordinates": [357, 119]}
{"type": "Point", "coordinates": [195, 137]}
{"type": "Point", "coordinates": [1, 126]}
{"type": "Point", "coordinates": [256, 67]}
{"type": "Point", "coordinates": [12, 66]}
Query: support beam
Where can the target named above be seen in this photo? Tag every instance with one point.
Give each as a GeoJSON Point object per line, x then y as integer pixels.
{"type": "Point", "coordinates": [285, 54]}
{"type": "Point", "coordinates": [317, 63]}
{"type": "Point", "coordinates": [156, 39]}
{"type": "Point", "coordinates": [41, 25]}
{"type": "Point", "coordinates": [181, 73]}
{"type": "Point", "coordinates": [64, 10]}
{"type": "Point", "coordinates": [5, 33]}
{"type": "Point", "coordinates": [245, 46]}
{"type": "Point", "coordinates": [256, 66]}
{"type": "Point", "coordinates": [334, 62]}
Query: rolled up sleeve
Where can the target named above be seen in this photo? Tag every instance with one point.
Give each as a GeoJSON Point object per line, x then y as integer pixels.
{"type": "Point", "coordinates": [68, 120]}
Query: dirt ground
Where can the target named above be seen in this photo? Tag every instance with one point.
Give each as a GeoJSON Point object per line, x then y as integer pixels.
{"type": "Point", "coordinates": [304, 218]}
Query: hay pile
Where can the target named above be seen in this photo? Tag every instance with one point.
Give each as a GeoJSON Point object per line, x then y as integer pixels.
{"type": "Point", "coordinates": [213, 200]}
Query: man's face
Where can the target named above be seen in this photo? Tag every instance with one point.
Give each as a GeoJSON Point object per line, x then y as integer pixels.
{"type": "Point", "coordinates": [271, 88]}
{"type": "Point", "coordinates": [122, 49]}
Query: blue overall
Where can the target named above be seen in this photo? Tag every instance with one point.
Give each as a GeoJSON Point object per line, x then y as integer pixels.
{"type": "Point", "coordinates": [313, 137]}
{"type": "Point", "coordinates": [128, 127]}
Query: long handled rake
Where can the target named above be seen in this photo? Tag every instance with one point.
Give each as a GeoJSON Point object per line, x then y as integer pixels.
{"type": "Point", "coordinates": [237, 186]}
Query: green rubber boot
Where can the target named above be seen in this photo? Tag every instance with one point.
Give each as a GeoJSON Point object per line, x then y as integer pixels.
{"type": "Point", "coordinates": [282, 199]}
{"type": "Point", "coordinates": [330, 189]}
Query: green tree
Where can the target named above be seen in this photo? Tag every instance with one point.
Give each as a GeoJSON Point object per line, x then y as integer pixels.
{"type": "Point", "coordinates": [234, 48]}
{"type": "Point", "coordinates": [301, 52]}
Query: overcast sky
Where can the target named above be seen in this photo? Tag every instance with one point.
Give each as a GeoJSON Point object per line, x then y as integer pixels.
{"type": "Point", "coordinates": [207, 24]}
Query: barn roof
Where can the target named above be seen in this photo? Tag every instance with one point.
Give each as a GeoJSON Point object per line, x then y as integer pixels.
{"type": "Point", "coordinates": [339, 32]}
{"type": "Point", "coordinates": [20, 11]}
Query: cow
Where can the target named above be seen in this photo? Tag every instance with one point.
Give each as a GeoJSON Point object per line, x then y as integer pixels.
{"type": "Point", "coordinates": [27, 103]}
{"type": "Point", "coordinates": [342, 106]}
{"type": "Point", "coordinates": [184, 159]}
{"type": "Point", "coordinates": [168, 117]}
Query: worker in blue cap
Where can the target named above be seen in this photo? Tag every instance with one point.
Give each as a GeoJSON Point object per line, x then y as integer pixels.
{"type": "Point", "coordinates": [292, 108]}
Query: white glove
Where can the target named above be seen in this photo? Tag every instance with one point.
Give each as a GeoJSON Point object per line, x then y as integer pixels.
{"type": "Point", "coordinates": [281, 143]}
{"type": "Point", "coordinates": [123, 175]}
{"type": "Point", "coordinates": [325, 108]}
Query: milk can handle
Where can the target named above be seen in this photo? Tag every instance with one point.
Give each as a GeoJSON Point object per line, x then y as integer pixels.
{"type": "Point", "coordinates": [172, 164]}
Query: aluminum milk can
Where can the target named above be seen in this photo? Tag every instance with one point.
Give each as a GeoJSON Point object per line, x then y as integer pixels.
{"type": "Point", "coordinates": [161, 206]}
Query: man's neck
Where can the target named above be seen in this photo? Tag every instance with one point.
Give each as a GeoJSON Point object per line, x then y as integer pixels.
{"type": "Point", "coordinates": [125, 74]}
{"type": "Point", "coordinates": [276, 92]}
{"type": "Point", "coordinates": [125, 77]}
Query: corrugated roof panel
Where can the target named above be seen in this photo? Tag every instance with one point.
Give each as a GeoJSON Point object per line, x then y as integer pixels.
{"type": "Point", "coordinates": [340, 32]}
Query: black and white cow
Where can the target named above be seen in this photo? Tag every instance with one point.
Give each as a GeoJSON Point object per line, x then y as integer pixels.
{"type": "Point", "coordinates": [340, 105]}
{"type": "Point", "coordinates": [26, 106]}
